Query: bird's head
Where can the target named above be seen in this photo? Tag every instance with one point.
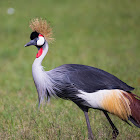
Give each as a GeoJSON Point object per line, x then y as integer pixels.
{"type": "Point", "coordinates": [42, 33]}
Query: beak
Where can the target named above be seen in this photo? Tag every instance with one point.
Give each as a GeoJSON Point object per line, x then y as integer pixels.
{"type": "Point", "coordinates": [32, 42]}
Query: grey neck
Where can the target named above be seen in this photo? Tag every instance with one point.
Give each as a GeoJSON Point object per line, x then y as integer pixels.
{"type": "Point", "coordinates": [38, 61]}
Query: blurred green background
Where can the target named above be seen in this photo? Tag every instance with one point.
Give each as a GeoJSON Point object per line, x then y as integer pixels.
{"type": "Point", "coordinates": [103, 34]}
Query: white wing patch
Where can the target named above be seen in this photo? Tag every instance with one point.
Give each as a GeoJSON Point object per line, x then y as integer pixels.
{"type": "Point", "coordinates": [94, 99]}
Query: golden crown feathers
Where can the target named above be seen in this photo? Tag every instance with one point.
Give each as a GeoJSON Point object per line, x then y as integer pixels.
{"type": "Point", "coordinates": [42, 27]}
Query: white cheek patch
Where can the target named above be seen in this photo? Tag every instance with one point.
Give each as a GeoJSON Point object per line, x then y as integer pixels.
{"type": "Point", "coordinates": [40, 41]}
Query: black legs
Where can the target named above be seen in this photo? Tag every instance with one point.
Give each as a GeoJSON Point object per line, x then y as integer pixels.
{"type": "Point", "coordinates": [115, 130]}
{"type": "Point", "coordinates": [90, 135]}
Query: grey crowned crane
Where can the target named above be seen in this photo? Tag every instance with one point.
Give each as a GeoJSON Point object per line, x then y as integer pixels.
{"type": "Point", "coordinates": [86, 86]}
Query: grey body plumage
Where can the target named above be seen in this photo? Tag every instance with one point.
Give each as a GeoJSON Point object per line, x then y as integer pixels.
{"type": "Point", "coordinates": [65, 82]}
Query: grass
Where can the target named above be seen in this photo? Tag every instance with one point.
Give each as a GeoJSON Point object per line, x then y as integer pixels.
{"type": "Point", "coordinates": [103, 34]}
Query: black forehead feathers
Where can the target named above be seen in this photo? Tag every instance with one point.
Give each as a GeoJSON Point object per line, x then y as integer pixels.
{"type": "Point", "coordinates": [34, 35]}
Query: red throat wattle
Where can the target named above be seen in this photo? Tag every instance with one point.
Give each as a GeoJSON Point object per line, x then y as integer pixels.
{"type": "Point", "coordinates": [40, 51]}
{"type": "Point", "coordinates": [40, 35]}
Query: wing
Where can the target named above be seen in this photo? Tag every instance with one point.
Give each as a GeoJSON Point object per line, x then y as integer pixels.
{"type": "Point", "coordinates": [90, 79]}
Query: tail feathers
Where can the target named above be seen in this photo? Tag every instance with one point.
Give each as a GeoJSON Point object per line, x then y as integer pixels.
{"type": "Point", "coordinates": [123, 104]}
{"type": "Point", "coordinates": [135, 109]}
{"type": "Point", "coordinates": [134, 121]}
{"type": "Point", "coordinates": [117, 103]}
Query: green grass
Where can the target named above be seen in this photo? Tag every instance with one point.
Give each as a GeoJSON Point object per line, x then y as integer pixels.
{"type": "Point", "coordinates": [103, 34]}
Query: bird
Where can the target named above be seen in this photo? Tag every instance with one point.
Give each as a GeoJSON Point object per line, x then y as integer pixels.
{"type": "Point", "coordinates": [86, 86]}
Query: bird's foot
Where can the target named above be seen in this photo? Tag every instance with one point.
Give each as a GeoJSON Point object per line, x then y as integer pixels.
{"type": "Point", "coordinates": [90, 137]}
{"type": "Point", "coordinates": [115, 133]}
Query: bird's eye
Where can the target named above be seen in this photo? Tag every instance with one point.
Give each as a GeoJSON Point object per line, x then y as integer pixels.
{"type": "Point", "coordinates": [40, 40]}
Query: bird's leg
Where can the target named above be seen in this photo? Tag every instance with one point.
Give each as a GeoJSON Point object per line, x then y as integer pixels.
{"type": "Point", "coordinates": [115, 130]}
{"type": "Point", "coordinates": [90, 135]}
